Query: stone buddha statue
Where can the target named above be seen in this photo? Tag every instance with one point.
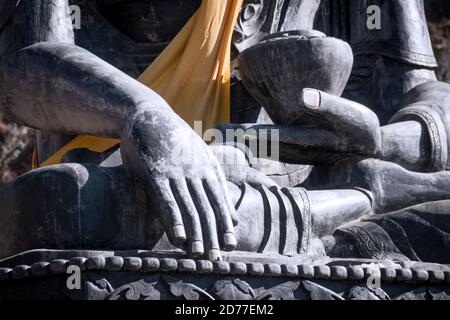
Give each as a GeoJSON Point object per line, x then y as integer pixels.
{"type": "Point", "coordinates": [353, 163]}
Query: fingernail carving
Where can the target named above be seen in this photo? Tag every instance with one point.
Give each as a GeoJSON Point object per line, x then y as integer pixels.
{"type": "Point", "coordinates": [311, 98]}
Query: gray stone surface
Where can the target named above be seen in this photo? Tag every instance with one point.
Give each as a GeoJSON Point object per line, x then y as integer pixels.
{"type": "Point", "coordinates": [374, 160]}
{"type": "Point", "coordinates": [260, 281]}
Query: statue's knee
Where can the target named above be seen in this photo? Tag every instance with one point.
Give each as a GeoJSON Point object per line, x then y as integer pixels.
{"type": "Point", "coordinates": [63, 176]}
{"type": "Point", "coordinates": [31, 200]}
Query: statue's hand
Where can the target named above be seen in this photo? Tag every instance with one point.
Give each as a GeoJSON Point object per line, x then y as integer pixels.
{"type": "Point", "coordinates": [185, 181]}
{"type": "Point", "coordinates": [237, 169]}
{"type": "Point", "coordinates": [353, 121]}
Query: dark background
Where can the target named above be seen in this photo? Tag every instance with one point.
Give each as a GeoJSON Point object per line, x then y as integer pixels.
{"type": "Point", "coordinates": [17, 142]}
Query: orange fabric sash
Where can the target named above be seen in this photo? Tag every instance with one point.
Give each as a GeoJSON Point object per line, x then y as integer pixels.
{"type": "Point", "coordinates": [192, 74]}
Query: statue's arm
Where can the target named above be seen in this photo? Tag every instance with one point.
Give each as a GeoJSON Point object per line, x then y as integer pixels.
{"type": "Point", "coordinates": [53, 85]}
{"type": "Point", "coordinates": [342, 129]}
{"type": "Point", "coordinates": [63, 88]}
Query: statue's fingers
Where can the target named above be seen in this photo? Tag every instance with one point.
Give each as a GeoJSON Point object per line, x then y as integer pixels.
{"type": "Point", "coordinates": [338, 110]}
{"type": "Point", "coordinates": [170, 213]}
{"type": "Point", "coordinates": [207, 218]}
{"type": "Point", "coordinates": [190, 216]}
{"type": "Point", "coordinates": [222, 210]}
{"type": "Point", "coordinates": [256, 178]}
{"type": "Point", "coordinates": [224, 189]}
{"type": "Point", "coordinates": [345, 117]}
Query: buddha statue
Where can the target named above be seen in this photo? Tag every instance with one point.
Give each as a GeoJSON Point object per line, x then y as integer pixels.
{"type": "Point", "coordinates": [349, 164]}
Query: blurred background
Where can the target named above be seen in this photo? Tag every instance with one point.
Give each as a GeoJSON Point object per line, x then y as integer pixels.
{"type": "Point", "coordinates": [17, 142]}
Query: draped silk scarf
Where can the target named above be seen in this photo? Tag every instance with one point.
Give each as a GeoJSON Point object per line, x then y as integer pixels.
{"type": "Point", "coordinates": [192, 74]}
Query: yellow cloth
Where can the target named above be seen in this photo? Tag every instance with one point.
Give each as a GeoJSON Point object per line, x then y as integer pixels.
{"type": "Point", "coordinates": [192, 73]}
{"type": "Point", "coordinates": [92, 143]}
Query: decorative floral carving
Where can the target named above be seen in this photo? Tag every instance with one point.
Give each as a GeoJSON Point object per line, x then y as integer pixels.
{"type": "Point", "coordinates": [283, 291]}
{"type": "Point", "coordinates": [163, 288]}
{"type": "Point", "coordinates": [318, 292]}
{"type": "Point", "coordinates": [364, 293]}
{"type": "Point", "coordinates": [234, 289]}
{"type": "Point", "coordinates": [424, 293]}
{"type": "Point", "coordinates": [98, 289]}
{"type": "Point", "coordinates": [188, 291]}
{"type": "Point", "coordinates": [139, 290]}
{"type": "Point", "coordinates": [113, 285]}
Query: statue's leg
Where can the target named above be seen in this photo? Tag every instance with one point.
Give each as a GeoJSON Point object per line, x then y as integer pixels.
{"type": "Point", "coordinates": [331, 209]}
{"type": "Point", "coordinates": [393, 187]}
{"type": "Point", "coordinates": [285, 219]}
{"type": "Point", "coordinates": [89, 207]}
{"type": "Point", "coordinates": [419, 233]}
{"type": "Point", "coordinates": [71, 206]}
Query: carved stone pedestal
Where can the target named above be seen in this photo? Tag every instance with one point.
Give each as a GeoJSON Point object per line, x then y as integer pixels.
{"type": "Point", "coordinates": [143, 275]}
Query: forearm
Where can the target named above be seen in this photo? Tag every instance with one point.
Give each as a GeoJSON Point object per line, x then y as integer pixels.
{"type": "Point", "coordinates": [418, 136]}
{"type": "Point", "coordinates": [63, 88]}
{"type": "Point", "coordinates": [406, 143]}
